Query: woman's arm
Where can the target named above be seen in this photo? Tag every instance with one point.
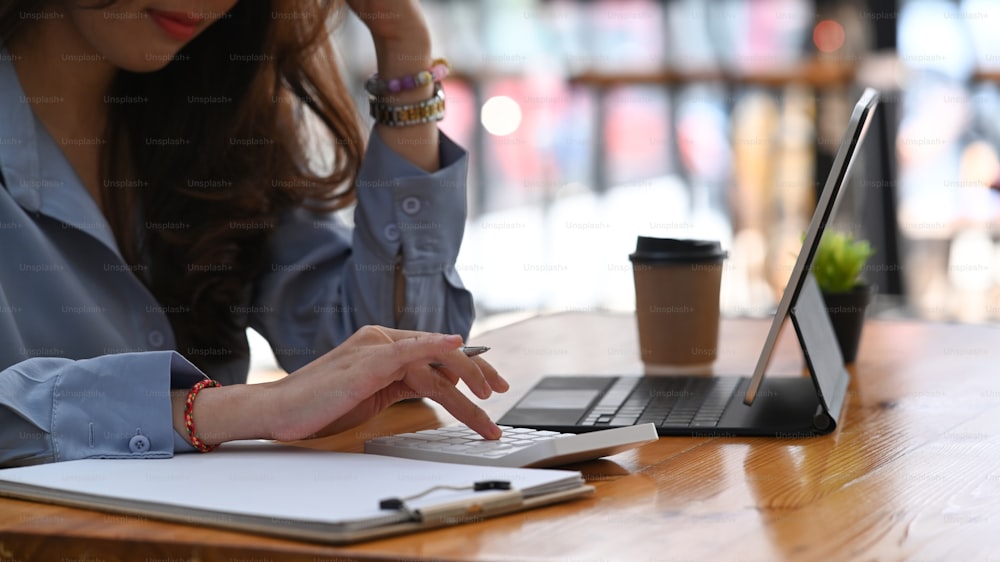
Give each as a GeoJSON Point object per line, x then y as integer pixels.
{"type": "Point", "coordinates": [111, 406]}
{"type": "Point", "coordinates": [375, 368]}
{"type": "Point", "coordinates": [325, 280]}
{"type": "Point", "coordinates": [397, 267]}
{"type": "Point", "coordinates": [402, 48]}
{"type": "Point", "coordinates": [131, 405]}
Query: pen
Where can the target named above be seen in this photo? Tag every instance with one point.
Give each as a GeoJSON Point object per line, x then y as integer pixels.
{"type": "Point", "coordinates": [473, 350]}
{"type": "Point", "coordinates": [468, 350]}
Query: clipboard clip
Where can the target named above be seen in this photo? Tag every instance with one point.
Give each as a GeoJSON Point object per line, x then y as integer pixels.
{"type": "Point", "coordinates": [400, 503]}
{"type": "Point", "coordinates": [461, 508]}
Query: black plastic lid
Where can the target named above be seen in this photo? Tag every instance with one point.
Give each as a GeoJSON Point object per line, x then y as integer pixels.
{"type": "Point", "coordinates": [672, 250]}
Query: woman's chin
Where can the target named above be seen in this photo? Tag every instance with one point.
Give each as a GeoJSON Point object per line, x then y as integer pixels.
{"type": "Point", "coordinates": [147, 61]}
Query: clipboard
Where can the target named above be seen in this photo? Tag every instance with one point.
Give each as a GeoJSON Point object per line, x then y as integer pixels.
{"type": "Point", "coordinates": [267, 488]}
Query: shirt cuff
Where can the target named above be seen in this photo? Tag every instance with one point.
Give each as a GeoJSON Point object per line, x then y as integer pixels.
{"type": "Point", "coordinates": [118, 406]}
{"type": "Point", "coordinates": [403, 209]}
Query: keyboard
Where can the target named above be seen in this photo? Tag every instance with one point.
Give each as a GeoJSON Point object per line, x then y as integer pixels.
{"type": "Point", "coordinates": [519, 446]}
{"type": "Point", "coordinates": [664, 401]}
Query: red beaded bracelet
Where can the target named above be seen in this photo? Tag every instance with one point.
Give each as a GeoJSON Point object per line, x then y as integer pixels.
{"type": "Point", "coordinates": [438, 71]}
{"type": "Point", "coordinates": [189, 418]}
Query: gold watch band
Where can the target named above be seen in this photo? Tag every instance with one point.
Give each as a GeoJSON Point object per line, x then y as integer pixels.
{"type": "Point", "coordinates": [426, 111]}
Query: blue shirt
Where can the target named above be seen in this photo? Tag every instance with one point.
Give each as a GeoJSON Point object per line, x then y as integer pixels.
{"type": "Point", "coordinates": [86, 352]}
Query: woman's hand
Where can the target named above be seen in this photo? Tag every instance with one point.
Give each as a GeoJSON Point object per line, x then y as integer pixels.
{"type": "Point", "coordinates": [373, 369]}
{"type": "Point", "coordinates": [377, 367]}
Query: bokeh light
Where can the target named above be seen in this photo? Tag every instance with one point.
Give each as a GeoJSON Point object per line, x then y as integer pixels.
{"type": "Point", "coordinates": [828, 36]}
{"type": "Point", "coordinates": [501, 115]}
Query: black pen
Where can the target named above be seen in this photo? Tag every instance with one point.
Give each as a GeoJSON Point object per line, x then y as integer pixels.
{"type": "Point", "coordinates": [468, 350]}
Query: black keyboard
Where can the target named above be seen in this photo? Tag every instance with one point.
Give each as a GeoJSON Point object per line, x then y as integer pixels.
{"type": "Point", "coordinates": [663, 401]}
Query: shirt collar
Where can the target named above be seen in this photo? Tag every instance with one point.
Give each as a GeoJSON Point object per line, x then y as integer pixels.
{"type": "Point", "coordinates": [35, 170]}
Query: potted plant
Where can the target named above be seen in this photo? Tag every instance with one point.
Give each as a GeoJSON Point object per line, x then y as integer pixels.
{"type": "Point", "coordinates": [838, 267]}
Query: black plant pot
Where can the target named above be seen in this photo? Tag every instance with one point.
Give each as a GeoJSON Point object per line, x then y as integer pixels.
{"type": "Point", "coordinates": [847, 314]}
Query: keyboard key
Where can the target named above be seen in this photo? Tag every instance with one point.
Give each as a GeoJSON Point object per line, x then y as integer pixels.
{"type": "Point", "coordinates": [623, 420]}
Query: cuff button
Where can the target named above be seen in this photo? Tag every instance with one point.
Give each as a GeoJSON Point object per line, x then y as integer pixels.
{"type": "Point", "coordinates": [138, 444]}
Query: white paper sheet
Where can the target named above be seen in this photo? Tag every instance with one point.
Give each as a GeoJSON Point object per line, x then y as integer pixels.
{"type": "Point", "coordinates": [274, 482]}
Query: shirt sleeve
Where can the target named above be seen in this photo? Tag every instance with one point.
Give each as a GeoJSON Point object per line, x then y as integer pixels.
{"type": "Point", "coordinates": [112, 406]}
{"type": "Point", "coordinates": [326, 280]}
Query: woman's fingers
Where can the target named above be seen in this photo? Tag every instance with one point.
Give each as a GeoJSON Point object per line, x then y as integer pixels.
{"type": "Point", "coordinates": [415, 353]}
{"type": "Point", "coordinates": [481, 378]}
{"type": "Point", "coordinates": [447, 373]}
{"type": "Point", "coordinates": [420, 348]}
{"type": "Point", "coordinates": [441, 391]}
{"type": "Point", "coordinates": [397, 334]}
{"type": "Point", "coordinates": [439, 384]}
{"type": "Point", "coordinates": [496, 382]}
{"type": "Point", "coordinates": [404, 357]}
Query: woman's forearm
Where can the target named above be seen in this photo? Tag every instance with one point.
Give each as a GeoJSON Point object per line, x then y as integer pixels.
{"type": "Point", "coordinates": [416, 143]}
{"type": "Point", "coordinates": [225, 413]}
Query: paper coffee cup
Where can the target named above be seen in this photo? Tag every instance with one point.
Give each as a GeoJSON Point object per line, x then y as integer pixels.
{"type": "Point", "coordinates": [677, 286]}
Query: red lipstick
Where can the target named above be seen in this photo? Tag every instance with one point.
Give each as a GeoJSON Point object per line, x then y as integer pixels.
{"type": "Point", "coordinates": [179, 25]}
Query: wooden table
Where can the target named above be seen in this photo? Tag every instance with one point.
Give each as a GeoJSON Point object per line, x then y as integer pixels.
{"type": "Point", "coordinates": [914, 472]}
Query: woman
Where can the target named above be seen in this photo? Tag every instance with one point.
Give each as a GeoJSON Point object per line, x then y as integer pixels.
{"type": "Point", "coordinates": [158, 200]}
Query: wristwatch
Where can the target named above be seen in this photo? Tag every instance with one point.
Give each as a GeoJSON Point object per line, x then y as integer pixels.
{"type": "Point", "coordinates": [426, 111]}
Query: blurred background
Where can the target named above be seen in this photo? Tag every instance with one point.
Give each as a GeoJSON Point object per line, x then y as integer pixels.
{"type": "Point", "coordinates": [592, 122]}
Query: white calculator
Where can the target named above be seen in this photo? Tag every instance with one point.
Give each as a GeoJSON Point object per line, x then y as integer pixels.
{"type": "Point", "coordinates": [519, 446]}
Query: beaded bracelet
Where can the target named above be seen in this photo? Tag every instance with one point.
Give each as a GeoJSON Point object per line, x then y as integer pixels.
{"type": "Point", "coordinates": [426, 111]}
{"type": "Point", "coordinates": [437, 72]}
{"type": "Point", "coordinates": [189, 418]}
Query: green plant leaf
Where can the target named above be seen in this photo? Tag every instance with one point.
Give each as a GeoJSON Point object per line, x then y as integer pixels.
{"type": "Point", "coordinates": [840, 261]}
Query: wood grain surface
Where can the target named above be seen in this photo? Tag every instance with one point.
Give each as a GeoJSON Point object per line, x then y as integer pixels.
{"type": "Point", "coordinates": [913, 473]}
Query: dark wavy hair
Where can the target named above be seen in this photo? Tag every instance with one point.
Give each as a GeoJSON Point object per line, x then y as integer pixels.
{"type": "Point", "coordinates": [203, 156]}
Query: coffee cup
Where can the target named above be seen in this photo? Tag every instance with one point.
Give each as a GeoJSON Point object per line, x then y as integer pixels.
{"type": "Point", "coordinates": [677, 285]}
